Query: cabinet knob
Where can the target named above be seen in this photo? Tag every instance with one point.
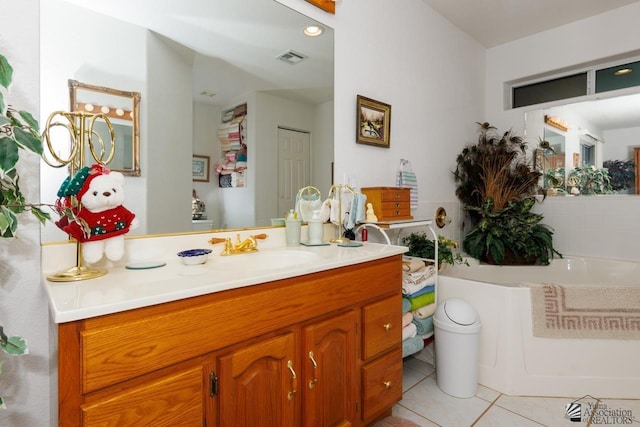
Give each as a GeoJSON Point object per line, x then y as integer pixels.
{"type": "Point", "coordinates": [387, 384]}
{"type": "Point", "coordinates": [387, 327]}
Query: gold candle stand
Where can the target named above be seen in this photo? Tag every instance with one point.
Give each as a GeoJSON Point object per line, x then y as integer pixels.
{"type": "Point", "coordinates": [79, 126]}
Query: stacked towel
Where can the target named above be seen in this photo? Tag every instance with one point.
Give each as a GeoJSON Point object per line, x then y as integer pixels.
{"type": "Point", "coordinates": [422, 300]}
{"type": "Point", "coordinates": [406, 305]}
{"type": "Point", "coordinates": [407, 318]}
{"type": "Point", "coordinates": [424, 312]}
{"type": "Point", "coordinates": [418, 289]}
{"type": "Point", "coordinates": [423, 326]}
{"type": "Point", "coordinates": [412, 345]}
{"type": "Point", "coordinates": [409, 331]}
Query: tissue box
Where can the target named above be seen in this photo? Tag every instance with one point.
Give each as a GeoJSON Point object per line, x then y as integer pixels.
{"type": "Point", "coordinates": [389, 203]}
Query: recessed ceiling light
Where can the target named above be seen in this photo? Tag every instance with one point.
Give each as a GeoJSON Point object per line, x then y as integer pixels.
{"type": "Point", "coordinates": [623, 71]}
{"type": "Point", "coordinates": [313, 30]}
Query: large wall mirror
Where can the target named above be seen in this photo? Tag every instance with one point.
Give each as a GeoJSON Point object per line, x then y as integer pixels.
{"type": "Point", "coordinates": [190, 65]}
{"type": "Point", "coordinates": [123, 110]}
{"type": "Point", "coordinates": [594, 132]}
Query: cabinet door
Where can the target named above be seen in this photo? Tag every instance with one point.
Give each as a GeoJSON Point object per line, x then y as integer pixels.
{"type": "Point", "coordinates": [329, 359]}
{"type": "Point", "coordinates": [258, 385]}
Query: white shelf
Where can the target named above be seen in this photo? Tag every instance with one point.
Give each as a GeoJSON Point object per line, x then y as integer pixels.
{"type": "Point", "coordinates": [402, 223]}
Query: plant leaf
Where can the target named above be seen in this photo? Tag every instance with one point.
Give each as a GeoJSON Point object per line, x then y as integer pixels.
{"type": "Point", "coordinates": [15, 346]}
{"type": "Point", "coordinates": [42, 216]}
{"type": "Point", "coordinates": [6, 72]}
{"type": "Point", "coordinates": [8, 222]}
{"type": "Point", "coordinates": [29, 120]}
{"type": "Point", "coordinates": [8, 154]}
{"type": "Point", "coordinates": [28, 140]}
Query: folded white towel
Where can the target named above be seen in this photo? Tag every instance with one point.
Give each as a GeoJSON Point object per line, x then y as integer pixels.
{"type": "Point", "coordinates": [413, 282]}
{"type": "Point", "coordinates": [411, 330]}
{"type": "Point", "coordinates": [412, 264]}
{"type": "Point", "coordinates": [406, 318]}
{"type": "Point", "coordinates": [424, 311]}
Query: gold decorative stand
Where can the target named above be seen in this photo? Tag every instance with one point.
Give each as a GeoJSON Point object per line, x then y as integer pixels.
{"type": "Point", "coordinates": [337, 190]}
{"type": "Point", "coordinates": [78, 126]}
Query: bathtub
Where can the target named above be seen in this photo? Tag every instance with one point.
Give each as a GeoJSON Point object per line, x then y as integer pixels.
{"type": "Point", "coordinates": [513, 361]}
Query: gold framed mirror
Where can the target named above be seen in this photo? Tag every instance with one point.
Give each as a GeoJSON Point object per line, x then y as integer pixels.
{"type": "Point", "coordinates": [123, 110]}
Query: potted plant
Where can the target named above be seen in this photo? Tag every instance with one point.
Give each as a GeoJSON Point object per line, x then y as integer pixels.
{"type": "Point", "coordinates": [589, 180]}
{"type": "Point", "coordinates": [422, 247]}
{"type": "Point", "coordinates": [621, 174]}
{"type": "Point", "coordinates": [18, 131]}
{"type": "Point", "coordinates": [497, 186]}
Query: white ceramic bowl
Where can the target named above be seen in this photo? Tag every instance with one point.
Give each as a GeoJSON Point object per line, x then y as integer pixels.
{"type": "Point", "coordinates": [194, 256]}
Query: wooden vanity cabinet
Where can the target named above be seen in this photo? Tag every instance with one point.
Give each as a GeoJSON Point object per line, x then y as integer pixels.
{"type": "Point", "coordinates": [293, 352]}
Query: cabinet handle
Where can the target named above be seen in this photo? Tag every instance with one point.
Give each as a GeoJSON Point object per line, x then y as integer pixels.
{"type": "Point", "coordinates": [293, 392]}
{"type": "Point", "coordinates": [387, 384]}
{"type": "Point", "coordinates": [315, 365]}
{"type": "Point", "coordinates": [397, 204]}
{"type": "Point", "coordinates": [290, 366]}
{"type": "Point", "coordinates": [387, 327]}
{"type": "Point", "coordinates": [312, 383]}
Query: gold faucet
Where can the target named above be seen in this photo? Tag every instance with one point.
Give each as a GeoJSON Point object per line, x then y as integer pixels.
{"type": "Point", "coordinates": [248, 245]}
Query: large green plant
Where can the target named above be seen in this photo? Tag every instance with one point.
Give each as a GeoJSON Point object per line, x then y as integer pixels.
{"type": "Point", "coordinates": [18, 131]}
{"type": "Point", "coordinates": [497, 185]}
{"type": "Point", "coordinates": [511, 232]}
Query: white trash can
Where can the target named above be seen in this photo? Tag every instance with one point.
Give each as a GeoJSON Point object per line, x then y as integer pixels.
{"type": "Point", "coordinates": [457, 339]}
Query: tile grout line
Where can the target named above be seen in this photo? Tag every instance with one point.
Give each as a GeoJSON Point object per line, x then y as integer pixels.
{"type": "Point", "coordinates": [486, 410]}
{"type": "Point", "coordinates": [419, 415]}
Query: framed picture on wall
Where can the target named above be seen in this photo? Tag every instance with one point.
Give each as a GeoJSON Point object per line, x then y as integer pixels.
{"type": "Point", "coordinates": [373, 122]}
{"type": "Point", "coordinates": [200, 168]}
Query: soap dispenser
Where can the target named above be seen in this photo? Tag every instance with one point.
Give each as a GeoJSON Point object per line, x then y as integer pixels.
{"type": "Point", "coordinates": [315, 229]}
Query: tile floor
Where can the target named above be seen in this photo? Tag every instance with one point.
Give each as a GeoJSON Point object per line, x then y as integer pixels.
{"type": "Point", "coordinates": [425, 404]}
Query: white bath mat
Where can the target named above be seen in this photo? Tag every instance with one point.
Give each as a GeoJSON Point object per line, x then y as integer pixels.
{"type": "Point", "coordinates": [608, 312]}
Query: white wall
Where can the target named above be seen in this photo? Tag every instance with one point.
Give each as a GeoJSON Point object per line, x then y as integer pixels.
{"type": "Point", "coordinates": [430, 73]}
{"type": "Point", "coordinates": [28, 382]}
{"type": "Point", "coordinates": [205, 127]}
{"type": "Point", "coordinates": [169, 107]}
{"type": "Point", "coordinates": [583, 225]}
{"type": "Point", "coordinates": [625, 139]}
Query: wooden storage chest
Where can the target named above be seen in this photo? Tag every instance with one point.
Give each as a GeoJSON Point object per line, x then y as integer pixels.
{"type": "Point", "coordinates": [389, 203]}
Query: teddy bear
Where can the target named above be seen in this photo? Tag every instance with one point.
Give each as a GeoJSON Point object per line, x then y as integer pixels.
{"type": "Point", "coordinates": [90, 203]}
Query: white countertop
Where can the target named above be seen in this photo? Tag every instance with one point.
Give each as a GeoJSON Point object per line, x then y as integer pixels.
{"type": "Point", "coordinates": [123, 289]}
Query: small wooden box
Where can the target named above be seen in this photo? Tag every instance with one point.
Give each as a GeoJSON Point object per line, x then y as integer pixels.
{"type": "Point", "coordinates": [389, 203]}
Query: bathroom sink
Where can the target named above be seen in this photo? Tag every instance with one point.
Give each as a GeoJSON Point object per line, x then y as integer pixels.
{"type": "Point", "coordinates": [267, 260]}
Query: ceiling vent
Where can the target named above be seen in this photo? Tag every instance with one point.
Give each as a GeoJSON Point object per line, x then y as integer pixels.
{"type": "Point", "coordinates": [291, 57]}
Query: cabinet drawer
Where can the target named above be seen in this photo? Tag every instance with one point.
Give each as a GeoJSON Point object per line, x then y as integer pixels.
{"type": "Point", "coordinates": [172, 400]}
{"type": "Point", "coordinates": [382, 326]}
{"type": "Point", "coordinates": [381, 384]}
{"type": "Point", "coordinates": [392, 211]}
